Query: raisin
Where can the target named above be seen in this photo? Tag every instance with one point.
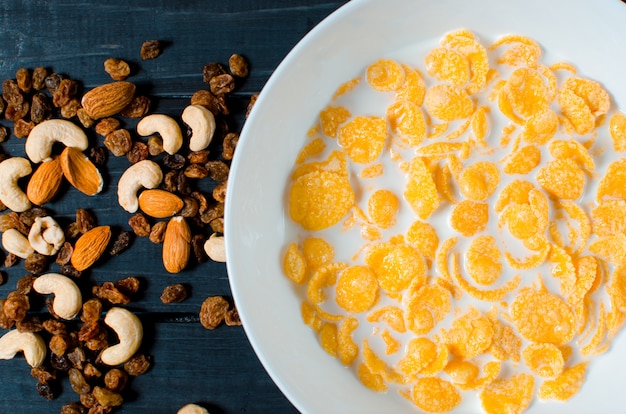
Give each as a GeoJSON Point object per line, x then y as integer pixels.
{"type": "Point", "coordinates": [198, 157]}
{"type": "Point", "coordinates": [91, 372]}
{"type": "Point", "coordinates": [59, 344]}
{"type": "Point", "coordinates": [24, 80]}
{"type": "Point", "coordinates": [24, 284]}
{"type": "Point", "coordinates": [190, 207]}
{"type": "Point", "coordinates": [122, 241]}
{"type": "Point", "coordinates": [219, 192]}
{"type": "Point", "coordinates": [5, 321]}
{"type": "Point", "coordinates": [48, 390]}
{"type": "Point", "coordinates": [128, 286]}
{"type": "Point", "coordinates": [41, 374]}
{"type": "Point", "coordinates": [91, 311]}
{"type": "Point", "coordinates": [137, 365]}
{"type": "Point", "coordinates": [197, 245]}
{"type": "Point", "coordinates": [55, 327]}
{"type": "Point", "coordinates": [77, 357]}
{"type": "Point", "coordinates": [217, 225]}
{"type": "Point", "coordinates": [70, 109]}
{"type": "Point", "coordinates": [73, 408]}
{"type": "Point", "coordinates": [232, 317]}
{"type": "Point", "coordinates": [229, 144]}
{"type": "Point", "coordinates": [214, 211]}
{"type": "Point", "coordinates": [182, 184]}
{"type": "Point", "coordinates": [71, 231]}
{"type": "Point", "coordinates": [107, 398]}
{"type": "Point", "coordinates": [29, 324]}
{"type": "Point", "coordinates": [215, 104]}
{"type": "Point", "coordinates": [36, 263]}
{"type": "Point", "coordinates": [174, 293]}
{"type": "Point", "coordinates": [116, 68]}
{"type": "Point", "coordinates": [213, 311]}
{"type": "Point", "coordinates": [84, 220]}
{"type": "Point", "coordinates": [40, 108]}
{"type": "Point", "coordinates": [69, 270]}
{"type": "Point", "coordinates": [137, 108]}
{"type": "Point", "coordinates": [196, 171]}
{"type": "Point", "coordinates": [10, 260]}
{"type": "Point", "coordinates": [84, 118]}
{"type": "Point", "coordinates": [139, 224]}
{"type": "Point", "coordinates": [39, 78]}
{"type": "Point", "coordinates": [157, 233]}
{"type": "Point", "coordinates": [52, 81]}
{"type": "Point", "coordinates": [89, 401]}
{"type": "Point", "coordinates": [3, 277]}
{"type": "Point", "coordinates": [78, 382]}
{"type": "Point", "coordinates": [203, 204]}
{"type": "Point", "coordinates": [3, 133]}
{"type": "Point", "coordinates": [89, 331]}
{"type": "Point", "coordinates": [210, 70]}
{"type": "Point", "coordinates": [16, 306]}
{"type": "Point", "coordinates": [107, 125]}
{"type": "Point", "coordinates": [15, 112]}
{"type": "Point", "coordinates": [170, 181]}
{"type": "Point", "coordinates": [28, 217]}
{"type": "Point", "coordinates": [174, 161]}
{"type": "Point", "coordinates": [253, 99]}
{"type": "Point", "coordinates": [155, 145]}
{"type": "Point", "coordinates": [60, 362]}
{"type": "Point", "coordinates": [238, 65]}
{"type": "Point", "coordinates": [115, 380]}
{"type": "Point", "coordinates": [11, 93]}
{"type": "Point", "coordinates": [98, 156]}
{"type": "Point", "coordinates": [110, 293]}
{"type": "Point", "coordinates": [138, 152]}
{"type": "Point", "coordinates": [64, 92]}
{"type": "Point", "coordinates": [64, 254]}
{"type": "Point", "coordinates": [150, 49]}
{"type": "Point", "coordinates": [218, 170]}
{"type": "Point", "coordinates": [22, 128]}
{"type": "Point", "coordinates": [222, 84]}
{"type": "Point", "coordinates": [118, 142]}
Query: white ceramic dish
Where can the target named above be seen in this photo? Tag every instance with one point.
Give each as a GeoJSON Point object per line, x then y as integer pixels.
{"type": "Point", "coordinates": [589, 34]}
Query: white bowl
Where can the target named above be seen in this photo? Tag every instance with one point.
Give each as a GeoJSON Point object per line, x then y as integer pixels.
{"type": "Point", "coordinates": [589, 34]}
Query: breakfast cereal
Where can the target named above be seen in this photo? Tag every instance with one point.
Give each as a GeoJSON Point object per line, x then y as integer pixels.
{"type": "Point", "coordinates": [461, 235]}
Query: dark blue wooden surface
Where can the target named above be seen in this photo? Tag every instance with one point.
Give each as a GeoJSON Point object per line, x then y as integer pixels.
{"type": "Point", "coordinates": [218, 368]}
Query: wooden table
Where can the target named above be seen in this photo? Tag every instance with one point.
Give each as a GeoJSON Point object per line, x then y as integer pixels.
{"type": "Point", "coordinates": [215, 368]}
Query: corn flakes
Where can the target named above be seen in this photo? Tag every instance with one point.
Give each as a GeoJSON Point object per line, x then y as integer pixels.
{"type": "Point", "coordinates": [331, 117]}
{"type": "Point", "coordinates": [419, 353]}
{"type": "Point", "coordinates": [420, 190]}
{"type": "Point", "coordinates": [323, 277]}
{"type": "Point", "coordinates": [448, 103]}
{"type": "Point", "coordinates": [612, 184]}
{"type": "Point", "coordinates": [617, 128]}
{"type": "Point", "coordinates": [510, 395]}
{"type": "Point", "coordinates": [414, 88]}
{"type": "Point", "coordinates": [407, 121]}
{"type": "Point", "coordinates": [470, 335]}
{"type": "Point", "coordinates": [374, 382]}
{"type": "Point", "coordinates": [523, 161]}
{"type": "Point", "coordinates": [448, 66]}
{"type": "Point", "coordinates": [478, 181]}
{"type": "Point", "coordinates": [545, 360]}
{"type": "Point", "coordinates": [382, 207]}
{"type": "Point", "coordinates": [423, 237]}
{"type": "Point", "coordinates": [347, 350]}
{"type": "Point", "coordinates": [562, 178]}
{"type": "Point", "coordinates": [469, 218]}
{"type": "Point", "coordinates": [566, 385]}
{"type": "Point", "coordinates": [294, 264]}
{"type": "Point", "coordinates": [426, 307]}
{"type": "Point", "coordinates": [313, 148]}
{"type": "Point", "coordinates": [363, 138]}
{"type": "Point", "coordinates": [435, 395]}
{"type": "Point", "coordinates": [483, 260]}
{"type": "Point", "coordinates": [357, 289]}
{"type": "Point", "coordinates": [385, 75]}
{"type": "Point", "coordinates": [540, 127]}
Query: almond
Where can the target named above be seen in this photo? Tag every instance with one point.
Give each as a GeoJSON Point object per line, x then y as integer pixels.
{"type": "Point", "coordinates": [90, 247]}
{"type": "Point", "coordinates": [108, 99]}
{"type": "Point", "coordinates": [45, 182]}
{"type": "Point", "coordinates": [176, 245]}
{"type": "Point", "coordinates": [159, 203]}
{"type": "Point", "coordinates": [80, 171]}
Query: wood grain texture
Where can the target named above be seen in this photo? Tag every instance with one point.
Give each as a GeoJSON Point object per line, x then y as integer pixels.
{"type": "Point", "coordinates": [218, 368]}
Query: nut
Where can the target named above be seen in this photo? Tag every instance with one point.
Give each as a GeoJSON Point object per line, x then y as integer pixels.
{"type": "Point", "coordinates": [176, 245]}
{"type": "Point", "coordinates": [108, 99]}
{"type": "Point", "coordinates": [44, 135]}
{"type": "Point", "coordinates": [166, 127]}
{"type": "Point", "coordinates": [129, 330]}
{"type": "Point", "coordinates": [45, 182]}
{"type": "Point", "coordinates": [159, 203]}
{"type": "Point", "coordinates": [46, 236]}
{"type": "Point", "coordinates": [16, 243]}
{"type": "Point", "coordinates": [145, 174]}
{"type": "Point", "coordinates": [67, 301]}
{"type": "Point", "coordinates": [90, 246]}
{"type": "Point", "coordinates": [215, 248]}
{"type": "Point", "coordinates": [11, 195]}
{"type": "Point", "coordinates": [31, 344]}
{"type": "Point", "coordinates": [192, 409]}
{"type": "Point", "coordinates": [202, 124]}
{"type": "Point", "coordinates": [81, 172]}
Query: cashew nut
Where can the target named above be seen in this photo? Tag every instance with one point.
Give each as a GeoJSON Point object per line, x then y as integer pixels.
{"type": "Point", "coordinates": [15, 242]}
{"type": "Point", "coordinates": [202, 124]}
{"type": "Point", "coordinates": [129, 330]}
{"type": "Point", "coordinates": [215, 248]}
{"type": "Point", "coordinates": [145, 174]}
{"type": "Point", "coordinates": [46, 236]}
{"type": "Point", "coordinates": [192, 409]}
{"type": "Point", "coordinates": [11, 195]}
{"type": "Point", "coordinates": [31, 344]}
{"type": "Point", "coordinates": [67, 297]}
{"type": "Point", "coordinates": [166, 127]}
{"type": "Point", "coordinates": [44, 135]}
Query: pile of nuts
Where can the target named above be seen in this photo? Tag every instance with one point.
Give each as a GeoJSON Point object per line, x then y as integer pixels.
{"type": "Point", "coordinates": [96, 341]}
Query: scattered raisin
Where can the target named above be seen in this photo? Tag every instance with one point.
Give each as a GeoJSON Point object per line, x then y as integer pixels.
{"type": "Point", "coordinates": [10, 260]}
{"type": "Point", "coordinates": [91, 372]}
{"type": "Point", "coordinates": [118, 142]}
{"type": "Point", "coordinates": [48, 390]}
{"type": "Point", "coordinates": [107, 398]}
{"type": "Point", "coordinates": [73, 408]}
{"type": "Point", "coordinates": [64, 254]}
{"type": "Point", "coordinates": [41, 374]}
{"type": "Point", "coordinates": [59, 344]}
{"type": "Point", "coordinates": [197, 245]}
{"type": "Point", "coordinates": [16, 306]}
{"type": "Point", "coordinates": [196, 171]}
{"type": "Point", "coordinates": [70, 271]}
{"type": "Point", "coordinates": [218, 170]}
{"type": "Point", "coordinates": [128, 286]}
{"type": "Point", "coordinates": [24, 80]}
{"type": "Point", "coordinates": [210, 70]}
{"type": "Point", "coordinates": [140, 225]}
{"type": "Point", "coordinates": [24, 284]}
{"type": "Point", "coordinates": [182, 184]}
{"type": "Point", "coordinates": [217, 225]}
{"type": "Point", "coordinates": [5, 321]}
{"type": "Point", "coordinates": [253, 99]}
{"type": "Point", "coordinates": [3, 133]}
{"type": "Point", "coordinates": [238, 65]}
{"type": "Point", "coordinates": [137, 365]}
{"type": "Point", "coordinates": [36, 263]}
{"type": "Point", "coordinates": [222, 84]}
{"type": "Point", "coordinates": [39, 78]}
{"type": "Point", "coordinates": [60, 362]}
{"type": "Point", "coordinates": [91, 311]}
{"type": "Point", "coordinates": [215, 104]}
{"type": "Point", "coordinates": [116, 68]}
{"type": "Point", "coordinates": [213, 311]}
{"type": "Point", "coordinates": [150, 49]}
{"type": "Point", "coordinates": [29, 324]}
{"type": "Point", "coordinates": [97, 155]}
{"type": "Point", "coordinates": [198, 157]}
{"type": "Point", "coordinates": [70, 109]}
{"type": "Point", "coordinates": [174, 161]}
{"type": "Point", "coordinates": [71, 231]}
{"type": "Point", "coordinates": [55, 327]}
{"type": "Point", "coordinates": [155, 145]}
{"type": "Point", "coordinates": [110, 293]}
{"type": "Point", "coordinates": [107, 125]}
{"type": "Point", "coordinates": [190, 207]}
{"type": "Point", "coordinates": [232, 317]}
{"type": "Point", "coordinates": [11, 93]}
{"type": "Point", "coordinates": [52, 81]}
{"type": "Point", "coordinates": [40, 108]}
{"type": "Point", "coordinates": [229, 144]}
{"type": "Point", "coordinates": [84, 220]}
{"type": "Point", "coordinates": [219, 192]}
{"type": "Point", "coordinates": [3, 277]}
{"type": "Point", "coordinates": [203, 204]}
{"type": "Point", "coordinates": [170, 181]}
{"type": "Point", "coordinates": [77, 357]}
{"type": "Point", "coordinates": [174, 293]}
{"type": "Point", "coordinates": [65, 91]}
{"type": "Point", "coordinates": [78, 382]}
{"type": "Point", "coordinates": [157, 233]}
{"type": "Point", "coordinates": [115, 380]}
{"type": "Point", "coordinates": [84, 118]}
{"type": "Point", "coordinates": [138, 152]}
{"type": "Point", "coordinates": [138, 107]}
{"type": "Point", "coordinates": [15, 112]}
{"type": "Point", "coordinates": [122, 241]}
{"type": "Point", "coordinates": [216, 210]}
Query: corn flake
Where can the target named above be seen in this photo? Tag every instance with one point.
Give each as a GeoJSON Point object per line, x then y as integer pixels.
{"type": "Point", "coordinates": [461, 371]}
{"type": "Point", "coordinates": [448, 66]}
{"type": "Point", "coordinates": [514, 193]}
{"type": "Point", "coordinates": [322, 278]}
{"type": "Point", "coordinates": [612, 184]}
{"type": "Point", "coordinates": [566, 385]}
{"type": "Point", "coordinates": [374, 382]}
{"type": "Point", "coordinates": [419, 353]}
{"type": "Point", "coordinates": [426, 307]}
{"type": "Point", "coordinates": [523, 161]}
{"type": "Point", "coordinates": [423, 237]}
{"type": "Point", "coordinates": [385, 75]}
{"type": "Point", "coordinates": [435, 395]}
{"type": "Point", "coordinates": [448, 103]}
{"type": "Point", "coordinates": [347, 350]}
{"type": "Point", "coordinates": [545, 360]}
{"type": "Point", "coordinates": [407, 121]}
{"type": "Point", "coordinates": [357, 289]}
{"type": "Point", "coordinates": [470, 335]}
{"type": "Point", "coordinates": [363, 138]}
{"type": "Point", "coordinates": [391, 315]}
{"type": "Point", "coordinates": [469, 218]}
{"type": "Point", "coordinates": [540, 127]}
{"type": "Point", "coordinates": [382, 207]}
{"type": "Point", "coordinates": [328, 338]}
{"type": "Point", "coordinates": [511, 395]}
{"type": "Point", "coordinates": [420, 190]}
{"type": "Point", "coordinates": [294, 264]}
{"type": "Point", "coordinates": [317, 252]}
{"type": "Point", "coordinates": [414, 88]}
{"type": "Point", "coordinates": [313, 148]}
{"type": "Point", "coordinates": [617, 128]}
{"type": "Point", "coordinates": [483, 260]}
{"type": "Point", "coordinates": [478, 181]}
{"type": "Point", "coordinates": [562, 178]}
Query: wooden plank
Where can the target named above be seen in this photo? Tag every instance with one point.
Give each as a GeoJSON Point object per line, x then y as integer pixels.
{"type": "Point", "coordinates": [216, 368]}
